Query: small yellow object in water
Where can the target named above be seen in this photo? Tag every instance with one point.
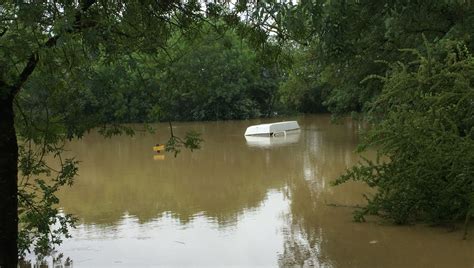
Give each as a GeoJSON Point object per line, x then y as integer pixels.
{"type": "Point", "coordinates": [159, 157]}
{"type": "Point", "coordinates": [158, 148]}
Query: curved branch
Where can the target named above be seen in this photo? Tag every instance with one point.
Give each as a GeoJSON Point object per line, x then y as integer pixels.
{"type": "Point", "coordinates": [51, 42]}
{"type": "Point", "coordinates": [27, 71]}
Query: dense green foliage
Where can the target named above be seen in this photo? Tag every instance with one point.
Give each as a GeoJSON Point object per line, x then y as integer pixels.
{"type": "Point", "coordinates": [212, 76]}
{"type": "Point", "coordinates": [351, 39]}
{"type": "Point", "coordinates": [302, 91]}
{"type": "Point", "coordinates": [217, 77]}
{"type": "Point", "coordinates": [424, 134]}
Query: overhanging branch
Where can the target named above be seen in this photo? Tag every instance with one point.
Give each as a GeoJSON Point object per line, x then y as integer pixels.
{"type": "Point", "coordinates": [51, 42]}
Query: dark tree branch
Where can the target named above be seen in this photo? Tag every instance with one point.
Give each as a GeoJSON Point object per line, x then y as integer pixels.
{"type": "Point", "coordinates": [27, 71]}
{"type": "Point", "coordinates": [51, 42]}
{"type": "Point", "coordinates": [86, 4]}
{"type": "Point", "coordinates": [424, 30]}
{"type": "Point", "coordinates": [3, 32]}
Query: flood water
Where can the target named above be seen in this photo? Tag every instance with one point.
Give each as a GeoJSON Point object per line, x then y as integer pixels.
{"type": "Point", "coordinates": [262, 202]}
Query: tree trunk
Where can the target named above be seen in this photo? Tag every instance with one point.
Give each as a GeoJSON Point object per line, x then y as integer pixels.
{"type": "Point", "coordinates": [8, 182]}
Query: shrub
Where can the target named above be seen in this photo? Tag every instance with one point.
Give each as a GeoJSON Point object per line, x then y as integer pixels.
{"type": "Point", "coordinates": [423, 132]}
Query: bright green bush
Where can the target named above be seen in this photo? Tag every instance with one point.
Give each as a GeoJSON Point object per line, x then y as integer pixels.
{"type": "Point", "coordinates": [424, 135]}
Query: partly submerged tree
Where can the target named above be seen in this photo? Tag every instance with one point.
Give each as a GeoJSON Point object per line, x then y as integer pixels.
{"type": "Point", "coordinates": [424, 136]}
{"type": "Point", "coordinates": [422, 102]}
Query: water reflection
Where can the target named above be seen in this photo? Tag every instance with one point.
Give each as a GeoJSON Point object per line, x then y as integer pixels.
{"type": "Point", "coordinates": [165, 241]}
{"type": "Point", "coordinates": [318, 235]}
{"type": "Point", "coordinates": [56, 262]}
{"type": "Point", "coordinates": [232, 203]}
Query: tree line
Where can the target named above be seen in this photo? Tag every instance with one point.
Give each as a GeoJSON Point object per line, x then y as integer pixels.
{"type": "Point", "coordinates": [212, 76]}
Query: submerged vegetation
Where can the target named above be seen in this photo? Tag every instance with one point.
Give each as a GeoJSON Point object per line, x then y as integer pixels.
{"type": "Point", "coordinates": [424, 134]}
{"type": "Point", "coordinates": [68, 67]}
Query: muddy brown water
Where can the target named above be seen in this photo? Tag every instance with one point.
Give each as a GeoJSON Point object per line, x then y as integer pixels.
{"type": "Point", "coordinates": [261, 202]}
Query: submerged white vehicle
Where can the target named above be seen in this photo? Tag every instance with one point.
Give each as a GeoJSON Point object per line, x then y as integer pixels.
{"type": "Point", "coordinates": [272, 129]}
{"type": "Point", "coordinates": [257, 141]}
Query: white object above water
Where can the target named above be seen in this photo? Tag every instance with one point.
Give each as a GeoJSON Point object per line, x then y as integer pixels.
{"type": "Point", "coordinates": [272, 129]}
